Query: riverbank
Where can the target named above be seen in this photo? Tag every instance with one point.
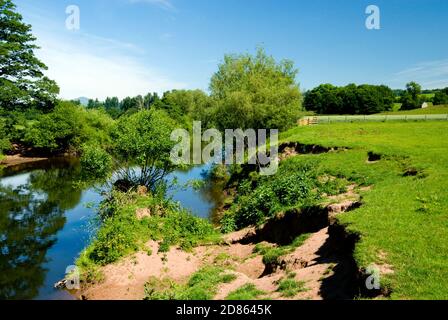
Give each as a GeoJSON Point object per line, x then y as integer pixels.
{"type": "Point", "coordinates": [244, 264]}
{"type": "Point", "coordinates": [15, 160]}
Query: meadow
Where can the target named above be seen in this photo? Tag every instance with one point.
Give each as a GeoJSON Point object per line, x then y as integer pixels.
{"type": "Point", "coordinates": [403, 221]}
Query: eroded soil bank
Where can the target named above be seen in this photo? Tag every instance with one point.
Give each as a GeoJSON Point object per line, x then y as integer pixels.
{"type": "Point", "coordinates": [323, 264]}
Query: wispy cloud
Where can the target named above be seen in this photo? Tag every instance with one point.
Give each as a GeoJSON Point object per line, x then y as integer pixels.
{"type": "Point", "coordinates": [91, 70]}
{"type": "Point", "coordinates": [164, 4]}
{"type": "Point", "coordinates": [430, 74]}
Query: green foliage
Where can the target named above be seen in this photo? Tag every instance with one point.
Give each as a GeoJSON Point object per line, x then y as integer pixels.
{"type": "Point", "coordinates": [95, 162]}
{"type": "Point", "coordinates": [183, 105]}
{"type": "Point", "coordinates": [351, 99]}
{"type": "Point", "coordinates": [441, 97]}
{"type": "Point", "coordinates": [67, 127]}
{"type": "Point", "coordinates": [121, 233]}
{"type": "Point", "coordinates": [255, 92]}
{"type": "Point", "coordinates": [22, 81]}
{"type": "Point", "coordinates": [411, 98]}
{"type": "Point", "coordinates": [246, 292]}
{"type": "Point", "coordinates": [202, 285]}
{"type": "Point", "coordinates": [4, 141]}
{"type": "Point", "coordinates": [271, 254]}
{"type": "Point", "coordinates": [290, 287]}
{"type": "Point", "coordinates": [143, 139]}
{"type": "Point", "coordinates": [271, 196]}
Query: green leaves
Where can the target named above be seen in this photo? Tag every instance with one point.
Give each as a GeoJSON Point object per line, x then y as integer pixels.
{"type": "Point", "coordinates": [351, 99]}
{"type": "Point", "coordinates": [255, 92]}
{"type": "Point", "coordinates": [22, 82]}
{"type": "Point", "coordinates": [143, 139]}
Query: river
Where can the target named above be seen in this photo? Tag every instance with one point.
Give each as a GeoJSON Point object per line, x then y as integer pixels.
{"type": "Point", "coordinates": [46, 220]}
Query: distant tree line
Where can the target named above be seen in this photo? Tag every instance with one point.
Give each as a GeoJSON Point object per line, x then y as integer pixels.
{"type": "Point", "coordinates": [369, 99]}
{"type": "Point", "coordinates": [351, 99]}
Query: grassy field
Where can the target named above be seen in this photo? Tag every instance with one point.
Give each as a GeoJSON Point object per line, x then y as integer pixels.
{"type": "Point", "coordinates": [403, 221]}
{"type": "Point", "coordinates": [430, 110]}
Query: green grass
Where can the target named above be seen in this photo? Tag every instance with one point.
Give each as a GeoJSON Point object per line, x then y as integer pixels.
{"type": "Point", "coordinates": [271, 255]}
{"type": "Point", "coordinates": [202, 285]}
{"type": "Point", "coordinates": [121, 233]}
{"type": "Point", "coordinates": [430, 110]}
{"type": "Point", "coordinates": [404, 219]}
{"type": "Point", "coordinates": [246, 292]}
{"type": "Point", "coordinates": [290, 287]}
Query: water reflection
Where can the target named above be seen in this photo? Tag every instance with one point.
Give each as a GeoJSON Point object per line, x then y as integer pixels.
{"type": "Point", "coordinates": [31, 213]}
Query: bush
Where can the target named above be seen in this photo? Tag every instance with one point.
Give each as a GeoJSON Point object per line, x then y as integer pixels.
{"type": "Point", "coordinates": [68, 127]}
{"type": "Point", "coordinates": [271, 196]}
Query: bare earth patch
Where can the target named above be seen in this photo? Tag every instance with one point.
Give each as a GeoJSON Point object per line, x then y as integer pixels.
{"type": "Point", "coordinates": [316, 264]}
{"type": "Point", "coordinates": [11, 161]}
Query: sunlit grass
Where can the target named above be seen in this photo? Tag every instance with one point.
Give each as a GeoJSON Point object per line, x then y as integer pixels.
{"type": "Point", "coordinates": [403, 221]}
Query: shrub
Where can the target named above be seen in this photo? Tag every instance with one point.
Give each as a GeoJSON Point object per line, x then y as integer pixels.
{"type": "Point", "coordinates": [68, 127]}
{"type": "Point", "coordinates": [270, 196]}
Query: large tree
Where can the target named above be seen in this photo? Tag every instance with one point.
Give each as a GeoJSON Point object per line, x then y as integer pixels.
{"type": "Point", "coordinates": [22, 80]}
{"type": "Point", "coordinates": [255, 92]}
{"type": "Point", "coordinates": [411, 97]}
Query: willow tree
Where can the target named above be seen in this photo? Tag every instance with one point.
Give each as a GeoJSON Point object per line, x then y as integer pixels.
{"type": "Point", "coordinates": [255, 92]}
{"type": "Point", "coordinates": [22, 81]}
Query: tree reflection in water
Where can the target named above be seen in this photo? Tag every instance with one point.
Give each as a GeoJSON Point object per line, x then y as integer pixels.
{"type": "Point", "coordinates": [30, 217]}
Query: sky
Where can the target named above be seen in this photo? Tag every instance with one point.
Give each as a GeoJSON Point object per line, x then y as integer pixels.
{"type": "Point", "coordinates": [130, 47]}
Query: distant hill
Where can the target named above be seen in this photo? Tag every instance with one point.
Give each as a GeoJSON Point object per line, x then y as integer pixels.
{"type": "Point", "coordinates": [84, 101]}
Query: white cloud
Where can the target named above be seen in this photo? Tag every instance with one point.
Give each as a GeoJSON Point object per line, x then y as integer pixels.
{"type": "Point", "coordinates": [89, 66]}
{"type": "Point", "coordinates": [165, 4]}
{"type": "Point", "coordinates": [430, 74]}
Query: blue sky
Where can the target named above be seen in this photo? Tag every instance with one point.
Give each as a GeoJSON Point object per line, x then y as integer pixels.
{"type": "Point", "coordinates": [129, 47]}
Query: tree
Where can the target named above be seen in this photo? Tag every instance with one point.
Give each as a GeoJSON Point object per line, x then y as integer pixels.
{"type": "Point", "coordinates": [411, 98]}
{"type": "Point", "coordinates": [255, 92]}
{"type": "Point", "coordinates": [143, 139]}
{"type": "Point", "coordinates": [22, 81]}
{"type": "Point", "coordinates": [94, 104]}
{"type": "Point", "coordinates": [441, 97]}
{"type": "Point", "coordinates": [324, 99]}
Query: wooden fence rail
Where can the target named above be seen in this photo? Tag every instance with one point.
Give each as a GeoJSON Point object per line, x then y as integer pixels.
{"type": "Point", "coordinates": [372, 118]}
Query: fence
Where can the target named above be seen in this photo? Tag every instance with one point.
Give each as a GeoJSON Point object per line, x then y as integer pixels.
{"type": "Point", "coordinates": [372, 118]}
